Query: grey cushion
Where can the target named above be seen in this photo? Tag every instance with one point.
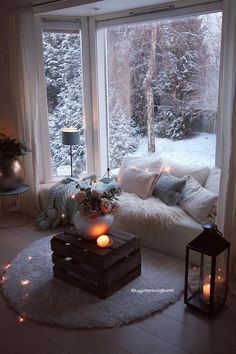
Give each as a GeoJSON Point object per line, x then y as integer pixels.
{"type": "Point", "coordinates": [169, 189]}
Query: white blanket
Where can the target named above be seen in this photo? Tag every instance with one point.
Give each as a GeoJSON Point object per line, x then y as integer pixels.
{"type": "Point", "coordinates": [137, 215]}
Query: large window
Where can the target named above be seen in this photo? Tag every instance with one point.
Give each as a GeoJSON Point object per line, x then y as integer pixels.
{"type": "Point", "coordinates": [133, 85]}
{"type": "Point", "coordinates": [64, 82]}
{"type": "Point", "coordinates": [162, 88]}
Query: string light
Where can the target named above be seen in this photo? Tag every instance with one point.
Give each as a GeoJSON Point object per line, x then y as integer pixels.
{"type": "Point", "coordinates": [21, 319]}
{"type": "Point", "coordinates": [2, 279]}
{"type": "Point", "coordinates": [24, 282]}
{"type": "Point", "coordinates": [29, 258]}
{"type": "Point", "coordinates": [7, 266]}
{"type": "Point", "coordinates": [73, 196]}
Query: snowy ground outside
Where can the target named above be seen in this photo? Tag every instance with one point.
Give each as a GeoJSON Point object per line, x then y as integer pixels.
{"type": "Point", "coordinates": [199, 149]}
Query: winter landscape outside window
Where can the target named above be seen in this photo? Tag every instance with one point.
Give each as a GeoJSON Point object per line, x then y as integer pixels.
{"type": "Point", "coordinates": [63, 71]}
{"type": "Point", "coordinates": [162, 88]}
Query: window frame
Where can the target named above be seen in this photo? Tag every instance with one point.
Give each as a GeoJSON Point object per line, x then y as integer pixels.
{"type": "Point", "coordinates": [62, 24]}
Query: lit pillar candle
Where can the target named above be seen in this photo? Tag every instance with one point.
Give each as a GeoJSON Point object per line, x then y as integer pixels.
{"type": "Point", "coordinates": [103, 241]}
{"type": "Point", "coordinates": [206, 290]}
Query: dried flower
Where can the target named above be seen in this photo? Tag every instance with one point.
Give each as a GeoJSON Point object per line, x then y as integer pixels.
{"type": "Point", "coordinates": [105, 206]}
{"type": "Point", "coordinates": [94, 203]}
{"type": "Point", "coordinates": [80, 196]}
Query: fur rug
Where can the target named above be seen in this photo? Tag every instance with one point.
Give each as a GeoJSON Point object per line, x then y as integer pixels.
{"type": "Point", "coordinates": [49, 300]}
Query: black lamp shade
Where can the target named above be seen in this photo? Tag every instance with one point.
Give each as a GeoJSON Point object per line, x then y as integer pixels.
{"type": "Point", "coordinates": [70, 136]}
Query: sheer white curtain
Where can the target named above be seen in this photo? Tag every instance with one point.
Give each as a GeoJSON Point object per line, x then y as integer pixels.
{"type": "Point", "coordinates": [24, 83]}
{"type": "Point", "coordinates": [227, 140]}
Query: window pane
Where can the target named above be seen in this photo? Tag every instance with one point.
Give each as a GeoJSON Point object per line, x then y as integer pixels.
{"type": "Point", "coordinates": [62, 58]}
{"type": "Point", "coordinates": [162, 88]}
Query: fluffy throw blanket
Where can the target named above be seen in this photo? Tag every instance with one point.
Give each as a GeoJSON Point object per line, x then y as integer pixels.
{"type": "Point", "coordinates": [60, 204]}
{"type": "Point", "coordinates": [145, 216]}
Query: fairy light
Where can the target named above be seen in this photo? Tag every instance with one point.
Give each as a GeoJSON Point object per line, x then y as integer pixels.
{"type": "Point", "coordinates": [29, 258]}
{"type": "Point", "coordinates": [7, 266]}
{"type": "Point", "coordinates": [24, 282]}
{"type": "Point", "coordinates": [2, 279]}
{"type": "Point", "coordinates": [63, 216]}
{"type": "Point", "coordinates": [21, 319]}
{"type": "Point", "coordinates": [73, 196]}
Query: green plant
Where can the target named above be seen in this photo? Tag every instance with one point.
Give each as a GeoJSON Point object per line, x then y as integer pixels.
{"type": "Point", "coordinates": [12, 148]}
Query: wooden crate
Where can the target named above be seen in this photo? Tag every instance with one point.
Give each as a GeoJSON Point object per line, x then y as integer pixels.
{"type": "Point", "coordinates": [100, 271]}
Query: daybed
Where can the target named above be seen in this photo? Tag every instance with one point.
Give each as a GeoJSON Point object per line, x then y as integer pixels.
{"type": "Point", "coordinates": [161, 227]}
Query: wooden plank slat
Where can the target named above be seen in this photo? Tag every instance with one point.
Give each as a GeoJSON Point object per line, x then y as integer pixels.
{"type": "Point", "coordinates": [93, 289]}
{"type": "Point", "coordinates": [108, 278]}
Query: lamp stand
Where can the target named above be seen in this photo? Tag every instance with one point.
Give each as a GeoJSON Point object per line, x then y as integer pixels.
{"type": "Point", "coordinates": [71, 166]}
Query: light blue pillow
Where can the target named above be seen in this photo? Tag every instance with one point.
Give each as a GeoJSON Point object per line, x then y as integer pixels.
{"type": "Point", "coordinates": [169, 189]}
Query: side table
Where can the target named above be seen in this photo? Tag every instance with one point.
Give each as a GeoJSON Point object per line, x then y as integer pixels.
{"type": "Point", "coordinates": [99, 271]}
{"type": "Point", "coordinates": [11, 202]}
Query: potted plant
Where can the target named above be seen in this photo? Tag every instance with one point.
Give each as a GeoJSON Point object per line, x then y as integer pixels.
{"type": "Point", "coordinates": [11, 170]}
{"type": "Point", "coordinates": [95, 212]}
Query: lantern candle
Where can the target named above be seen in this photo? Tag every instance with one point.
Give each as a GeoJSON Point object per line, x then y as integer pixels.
{"type": "Point", "coordinates": [103, 241]}
{"type": "Point", "coordinates": [206, 290]}
{"type": "Point", "coordinates": [220, 283]}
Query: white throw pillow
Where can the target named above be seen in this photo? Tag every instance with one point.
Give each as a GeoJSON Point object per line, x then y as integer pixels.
{"type": "Point", "coordinates": [145, 163]}
{"type": "Point", "coordinates": [213, 180]}
{"type": "Point", "coordinates": [197, 201]}
{"type": "Point", "coordinates": [139, 182]}
{"type": "Point", "coordinates": [199, 173]}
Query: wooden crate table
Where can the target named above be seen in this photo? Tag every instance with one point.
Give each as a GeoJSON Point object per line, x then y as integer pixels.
{"type": "Point", "coordinates": [100, 271]}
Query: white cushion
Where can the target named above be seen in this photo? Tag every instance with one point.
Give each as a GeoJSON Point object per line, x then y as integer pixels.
{"type": "Point", "coordinates": [139, 182]}
{"type": "Point", "coordinates": [213, 180]}
{"type": "Point", "coordinates": [150, 164]}
{"type": "Point", "coordinates": [197, 201]}
{"type": "Point", "coordinates": [199, 173]}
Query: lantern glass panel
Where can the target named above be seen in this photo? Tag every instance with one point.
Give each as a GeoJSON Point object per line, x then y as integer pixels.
{"type": "Point", "coordinates": [193, 273]}
{"type": "Point", "coordinates": [221, 277]}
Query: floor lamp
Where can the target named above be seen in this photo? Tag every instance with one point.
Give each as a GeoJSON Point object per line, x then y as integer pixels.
{"type": "Point", "coordinates": [70, 136]}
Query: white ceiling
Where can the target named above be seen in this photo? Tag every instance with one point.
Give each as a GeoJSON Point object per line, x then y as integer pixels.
{"type": "Point", "coordinates": [106, 6]}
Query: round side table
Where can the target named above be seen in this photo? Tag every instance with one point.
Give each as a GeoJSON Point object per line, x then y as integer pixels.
{"type": "Point", "coordinates": [11, 207]}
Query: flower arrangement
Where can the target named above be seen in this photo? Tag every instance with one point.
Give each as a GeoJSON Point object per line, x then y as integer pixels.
{"type": "Point", "coordinates": [12, 148]}
{"type": "Point", "coordinates": [94, 203]}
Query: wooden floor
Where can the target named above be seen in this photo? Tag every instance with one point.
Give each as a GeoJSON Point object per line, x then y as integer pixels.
{"type": "Point", "coordinates": [175, 330]}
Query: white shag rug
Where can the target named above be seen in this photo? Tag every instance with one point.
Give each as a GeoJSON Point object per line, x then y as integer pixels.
{"type": "Point", "coordinates": [49, 300]}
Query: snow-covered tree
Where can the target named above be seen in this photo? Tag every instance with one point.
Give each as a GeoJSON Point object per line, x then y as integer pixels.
{"type": "Point", "coordinates": [63, 72]}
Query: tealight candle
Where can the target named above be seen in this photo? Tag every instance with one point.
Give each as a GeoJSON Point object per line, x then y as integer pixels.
{"type": "Point", "coordinates": [103, 241]}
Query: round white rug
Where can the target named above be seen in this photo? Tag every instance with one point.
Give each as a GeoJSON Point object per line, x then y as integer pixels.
{"type": "Point", "coordinates": [32, 290]}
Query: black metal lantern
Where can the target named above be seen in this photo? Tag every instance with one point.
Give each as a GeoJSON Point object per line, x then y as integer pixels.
{"type": "Point", "coordinates": [206, 272]}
